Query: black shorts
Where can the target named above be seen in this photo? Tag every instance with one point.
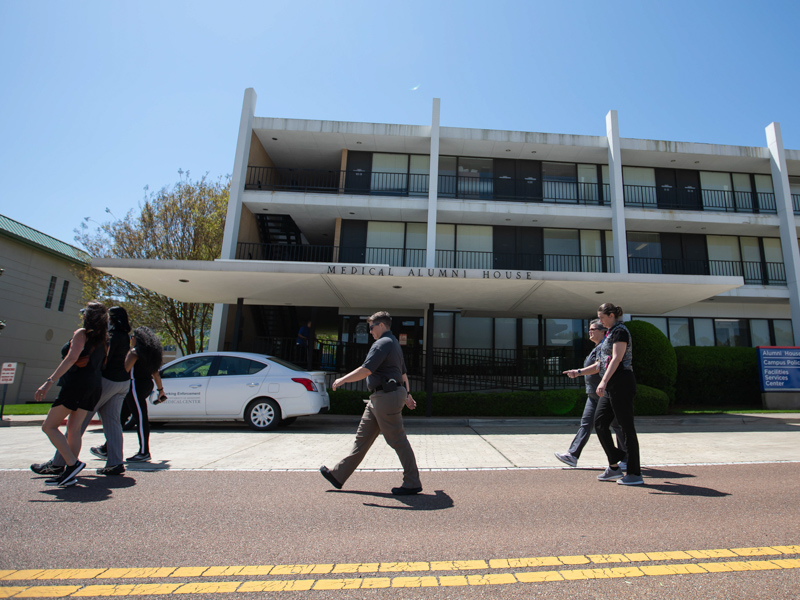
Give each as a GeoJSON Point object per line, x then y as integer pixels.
{"type": "Point", "coordinates": [75, 397]}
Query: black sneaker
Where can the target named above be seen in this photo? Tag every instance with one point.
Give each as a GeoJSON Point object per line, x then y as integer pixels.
{"type": "Point", "coordinates": [69, 474]}
{"type": "Point", "coordinates": [112, 470]}
{"type": "Point", "coordinates": [140, 457]}
{"type": "Point", "coordinates": [47, 468]}
{"type": "Point", "coordinates": [99, 451]}
{"type": "Point", "coordinates": [404, 491]}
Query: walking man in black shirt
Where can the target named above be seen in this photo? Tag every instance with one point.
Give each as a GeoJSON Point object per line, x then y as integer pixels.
{"type": "Point", "coordinates": [387, 379]}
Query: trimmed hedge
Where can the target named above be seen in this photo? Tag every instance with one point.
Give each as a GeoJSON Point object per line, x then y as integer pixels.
{"type": "Point", "coordinates": [549, 403]}
{"type": "Point", "coordinates": [654, 361]}
{"type": "Point", "coordinates": [717, 376]}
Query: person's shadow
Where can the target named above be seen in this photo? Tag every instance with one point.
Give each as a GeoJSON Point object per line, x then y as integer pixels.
{"type": "Point", "coordinates": [92, 488]}
{"type": "Point", "coordinates": [670, 488]}
{"type": "Point", "coordinates": [439, 500]}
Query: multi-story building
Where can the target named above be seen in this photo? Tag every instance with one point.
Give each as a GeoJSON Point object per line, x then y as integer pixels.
{"type": "Point", "coordinates": [40, 295]}
{"type": "Point", "coordinates": [493, 245]}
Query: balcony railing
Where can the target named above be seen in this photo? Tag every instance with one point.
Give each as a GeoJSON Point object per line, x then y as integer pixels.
{"type": "Point", "coordinates": [506, 189]}
{"type": "Point", "coordinates": [410, 257]}
{"type": "Point", "coordinates": [753, 273]}
{"type": "Point", "coordinates": [405, 184]}
{"type": "Point", "coordinates": [645, 196]}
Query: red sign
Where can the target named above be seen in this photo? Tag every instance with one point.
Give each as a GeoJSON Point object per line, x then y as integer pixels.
{"type": "Point", "coordinates": [403, 339]}
{"type": "Point", "coordinates": [7, 373]}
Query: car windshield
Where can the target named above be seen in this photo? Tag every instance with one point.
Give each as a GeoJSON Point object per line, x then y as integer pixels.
{"type": "Point", "coordinates": [286, 363]}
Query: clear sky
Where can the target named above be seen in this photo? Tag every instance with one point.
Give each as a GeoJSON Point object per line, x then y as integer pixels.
{"type": "Point", "coordinates": [99, 99]}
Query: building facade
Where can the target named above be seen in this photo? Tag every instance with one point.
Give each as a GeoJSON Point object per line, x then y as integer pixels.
{"type": "Point", "coordinates": [492, 247]}
{"type": "Point", "coordinates": [40, 296]}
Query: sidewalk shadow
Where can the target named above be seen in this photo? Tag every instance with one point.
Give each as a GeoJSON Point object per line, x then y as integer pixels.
{"type": "Point", "coordinates": [662, 474]}
{"type": "Point", "coordinates": [439, 500]}
{"type": "Point", "coordinates": [95, 488]}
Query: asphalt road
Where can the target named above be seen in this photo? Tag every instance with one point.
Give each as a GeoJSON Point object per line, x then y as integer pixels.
{"type": "Point", "coordinates": [459, 539]}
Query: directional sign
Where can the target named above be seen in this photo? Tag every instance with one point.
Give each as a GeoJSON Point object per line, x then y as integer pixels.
{"type": "Point", "coordinates": [779, 368]}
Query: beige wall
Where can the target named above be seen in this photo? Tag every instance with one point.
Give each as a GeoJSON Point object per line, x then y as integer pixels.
{"type": "Point", "coordinates": [34, 334]}
{"type": "Point", "coordinates": [248, 228]}
{"type": "Point", "coordinates": [258, 156]}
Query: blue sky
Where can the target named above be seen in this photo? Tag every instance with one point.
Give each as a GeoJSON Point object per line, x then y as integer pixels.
{"type": "Point", "coordinates": [100, 99]}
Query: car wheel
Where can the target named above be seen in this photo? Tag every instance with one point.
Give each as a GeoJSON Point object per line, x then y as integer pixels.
{"type": "Point", "coordinates": [263, 414]}
{"type": "Point", "coordinates": [128, 423]}
{"type": "Point", "coordinates": [288, 421]}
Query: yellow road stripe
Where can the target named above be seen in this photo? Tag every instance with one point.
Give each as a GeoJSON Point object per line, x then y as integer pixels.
{"type": "Point", "coordinates": [225, 587]}
{"type": "Point", "coordinates": [389, 567]}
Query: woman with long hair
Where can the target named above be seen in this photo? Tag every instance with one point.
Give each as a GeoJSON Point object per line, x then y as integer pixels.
{"type": "Point", "coordinates": [81, 385]}
{"type": "Point", "coordinates": [616, 390]}
{"type": "Point", "coordinates": [143, 361]}
{"type": "Point", "coordinates": [115, 385]}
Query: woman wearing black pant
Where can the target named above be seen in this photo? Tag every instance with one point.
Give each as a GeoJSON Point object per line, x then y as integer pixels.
{"type": "Point", "coordinates": [616, 391]}
{"type": "Point", "coordinates": [143, 362]}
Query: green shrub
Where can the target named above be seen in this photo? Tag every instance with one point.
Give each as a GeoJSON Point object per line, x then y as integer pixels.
{"type": "Point", "coordinates": [650, 401]}
{"type": "Point", "coordinates": [717, 376]}
{"type": "Point", "coordinates": [549, 403]}
{"type": "Point", "coordinates": [654, 361]}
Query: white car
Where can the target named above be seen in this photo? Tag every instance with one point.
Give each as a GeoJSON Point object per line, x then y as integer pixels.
{"type": "Point", "coordinates": [261, 390]}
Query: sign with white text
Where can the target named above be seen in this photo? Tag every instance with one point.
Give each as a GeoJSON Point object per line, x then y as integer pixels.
{"type": "Point", "coordinates": [8, 373]}
{"type": "Point", "coordinates": [779, 368]}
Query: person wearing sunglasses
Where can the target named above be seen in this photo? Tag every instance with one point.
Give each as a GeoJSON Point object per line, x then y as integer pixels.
{"type": "Point", "coordinates": [570, 458]}
{"type": "Point", "coordinates": [387, 379]}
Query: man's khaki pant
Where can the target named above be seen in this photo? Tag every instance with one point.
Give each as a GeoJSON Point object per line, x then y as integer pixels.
{"type": "Point", "coordinates": [382, 415]}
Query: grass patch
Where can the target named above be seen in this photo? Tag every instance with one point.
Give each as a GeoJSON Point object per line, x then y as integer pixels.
{"type": "Point", "coordinates": [727, 410]}
{"type": "Point", "coordinates": [40, 408]}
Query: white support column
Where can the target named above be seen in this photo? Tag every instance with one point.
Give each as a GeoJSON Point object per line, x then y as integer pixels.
{"type": "Point", "coordinates": [783, 201]}
{"type": "Point", "coordinates": [234, 214]}
{"type": "Point", "coordinates": [617, 198]}
{"type": "Point", "coordinates": [433, 188]}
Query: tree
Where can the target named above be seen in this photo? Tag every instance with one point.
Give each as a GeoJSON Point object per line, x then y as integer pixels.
{"type": "Point", "coordinates": [184, 222]}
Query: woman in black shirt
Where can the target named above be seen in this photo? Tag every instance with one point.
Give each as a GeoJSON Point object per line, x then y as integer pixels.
{"type": "Point", "coordinates": [80, 381]}
{"type": "Point", "coordinates": [143, 362]}
{"type": "Point", "coordinates": [616, 391]}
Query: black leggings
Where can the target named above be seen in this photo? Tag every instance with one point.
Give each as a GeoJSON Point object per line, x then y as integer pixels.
{"type": "Point", "coordinates": [619, 405]}
{"type": "Point", "coordinates": [136, 403]}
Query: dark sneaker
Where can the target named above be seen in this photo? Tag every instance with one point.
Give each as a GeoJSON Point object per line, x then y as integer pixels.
{"type": "Point", "coordinates": [139, 457]}
{"type": "Point", "coordinates": [611, 474]}
{"type": "Point", "coordinates": [47, 468]}
{"type": "Point", "coordinates": [567, 459]}
{"type": "Point", "coordinates": [405, 491]}
{"type": "Point", "coordinates": [326, 473]}
{"type": "Point", "coordinates": [99, 451]}
{"type": "Point", "coordinates": [631, 480]}
{"type": "Point", "coordinates": [623, 465]}
{"type": "Point", "coordinates": [113, 470]}
{"type": "Point", "coordinates": [68, 475]}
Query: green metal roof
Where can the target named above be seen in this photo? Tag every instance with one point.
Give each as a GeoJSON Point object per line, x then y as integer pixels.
{"type": "Point", "coordinates": [28, 235]}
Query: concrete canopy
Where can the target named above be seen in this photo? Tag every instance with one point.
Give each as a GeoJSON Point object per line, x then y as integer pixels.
{"type": "Point", "coordinates": [476, 292]}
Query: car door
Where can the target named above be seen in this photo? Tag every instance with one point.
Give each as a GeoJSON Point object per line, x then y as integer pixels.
{"type": "Point", "coordinates": [185, 384]}
{"type": "Point", "coordinates": [236, 381]}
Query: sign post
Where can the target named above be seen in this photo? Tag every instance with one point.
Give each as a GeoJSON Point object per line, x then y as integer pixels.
{"type": "Point", "coordinates": [7, 374]}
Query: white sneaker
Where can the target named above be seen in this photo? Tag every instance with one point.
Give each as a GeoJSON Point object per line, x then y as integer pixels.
{"type": "Point", "coordinates": [611, 474]}
{"type": "Point", "coordinates": [567, 459]}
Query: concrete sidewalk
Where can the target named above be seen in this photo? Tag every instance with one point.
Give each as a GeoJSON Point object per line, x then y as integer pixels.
{"type": "Point", "coordinates": [439, 443]}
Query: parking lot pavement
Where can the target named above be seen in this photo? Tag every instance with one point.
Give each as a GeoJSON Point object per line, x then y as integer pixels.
{"type": "Point", "coordinates": [439, 443]}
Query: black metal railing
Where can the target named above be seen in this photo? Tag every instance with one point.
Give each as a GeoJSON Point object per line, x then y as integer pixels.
{"type": "Point", "coordinates": [410, 257]}
{"type": "Point", "coordinates": [753, 272]}
{"type": "Point", "coordinates": [506, 189]}
{"type": "Point", "coordinates": [644, 196]}
{"type": "Point", "coordinates": [460, 369]}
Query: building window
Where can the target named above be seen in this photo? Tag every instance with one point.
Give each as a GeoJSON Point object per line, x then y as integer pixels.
{"type": "Point", "coordinates": [560, 181]}
{"type": "Point", "coordinates": [50, 293]}
{"type": "Point", "coordinates": [644, 252]}
{"type": "Point", "coordinates": [731, 332]}
{"type": "Point", "coordinates": [783, 332]}
{"type": "Point", "coordinates": [63, 299]}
